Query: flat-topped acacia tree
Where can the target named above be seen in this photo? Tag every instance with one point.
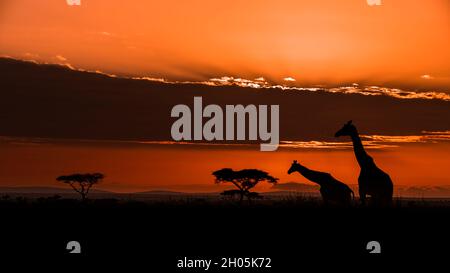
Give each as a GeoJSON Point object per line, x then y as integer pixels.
{"type": "Point", "coordinates": [244, 179]}
{"type": "Point", "coordinates": [81, 183]}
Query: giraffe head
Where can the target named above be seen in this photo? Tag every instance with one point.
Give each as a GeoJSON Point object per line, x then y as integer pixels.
{"type": "Point", "coordinates": [347, 130]}
{"type": "Point", "coordinates": [293, 167]}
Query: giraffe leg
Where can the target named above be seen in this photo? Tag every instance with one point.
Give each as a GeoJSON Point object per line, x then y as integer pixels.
{"type": "Point", "coordinates": [362, 197]}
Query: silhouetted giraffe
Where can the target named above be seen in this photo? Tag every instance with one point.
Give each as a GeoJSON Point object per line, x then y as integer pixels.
{"type": "Point", "coordinates": [332, 190]}
{"type": "Point", "coordinates": [372, 180]}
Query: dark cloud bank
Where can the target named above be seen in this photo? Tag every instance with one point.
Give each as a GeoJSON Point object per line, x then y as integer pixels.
{"type": "Point", "coordinates": [57, 102]}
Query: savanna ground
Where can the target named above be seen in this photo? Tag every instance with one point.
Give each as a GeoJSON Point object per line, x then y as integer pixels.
{"type": "Point", "coordinates": [269, 200]}
{"type": "Point", "coordinates": [154, 230]}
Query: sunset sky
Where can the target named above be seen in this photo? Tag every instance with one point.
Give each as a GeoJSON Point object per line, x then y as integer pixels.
{"type": "Point", "coordinates": [403, 43]}
{"type": "Point", "coordinates": [357, 52]}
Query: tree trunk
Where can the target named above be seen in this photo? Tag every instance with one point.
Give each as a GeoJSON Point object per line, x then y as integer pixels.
{"type": "Point", "coordinates": [241, 197]}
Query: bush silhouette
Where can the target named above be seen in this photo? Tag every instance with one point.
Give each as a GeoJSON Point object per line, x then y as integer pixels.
{"type": "Point", "coordinates": [244, 180]}
{"type": "Point", "coordinates": [81, 183]}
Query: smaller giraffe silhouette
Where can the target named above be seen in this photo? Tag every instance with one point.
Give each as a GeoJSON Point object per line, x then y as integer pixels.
{"type": "Point", "coordinates": [332, 190]}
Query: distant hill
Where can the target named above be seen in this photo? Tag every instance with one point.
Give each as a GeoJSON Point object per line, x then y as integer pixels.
{"type": "Point", "coordinates": [294, 186]}
{"type": "Point", "coordinates": [399, 190]}
{"type": "Point", "coordinates": [160, 192]}
{"type": "Point", "coordinates": [423, 191]}
{"type": "Point", "coordinates": [279, 189]}
{"type": "Point", "coordinates": [43, 190]}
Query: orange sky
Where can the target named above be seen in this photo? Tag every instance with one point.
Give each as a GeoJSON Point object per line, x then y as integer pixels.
{"type": "Point", "coordinates": [404, 43]}
{"type": "Point", "coordinates": [143, 167]}
{"type": "Point", "coordinates": [315, 42]}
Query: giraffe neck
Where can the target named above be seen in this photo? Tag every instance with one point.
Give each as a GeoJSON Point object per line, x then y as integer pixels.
{"type": "Point", "coordinates": [308, 174]}
{"type": "Point", "coordinates": [361, 156]}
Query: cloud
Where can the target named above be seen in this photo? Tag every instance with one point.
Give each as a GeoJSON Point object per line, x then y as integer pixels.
{"type": "Point", "coordinates": [31, 55]}
{"type": "Point", "coordinates": [151, 79]}
{"type": "Point", "coordinates": [60, 58]}
{"type": "Point", "coordinates": [399, 117]}
{"type": "Point", "coordinates": [261, 82]}
{"type": "Point", "coordinates": [289, 79]}
{"type": "Point", "coordinates": [437, 135]}
{"type": "Point", "coordinates": [353, 89]}
{"type": "Point", "coordinates": [426, 77]}
{"type": "Point", "coordinates": [73, 2]}
{"type": "Point", "coordinates": [373, 2]}
{"type": "Point", "coordinates": [110, 35]}
{"type": "Point", "coordinates": [226, 80]}
{"type": "Point", "coordinates": [333, 145]}
{"type": "Point", "coordinates": [372, 141]}
{"type": "Point", "coordinates": [369, 141]}
{"type": "Point", "coordinates": [391, 92]}
{"type": "Point", "coordinates": [105, 33]}
{"type": "Point", "coordinates": [425, 137]}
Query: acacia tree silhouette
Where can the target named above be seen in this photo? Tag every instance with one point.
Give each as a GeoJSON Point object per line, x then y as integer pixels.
{"type": "Point", "coordinates": [244, 179]}
{"type": "Point", "coordinates": [81, 183]}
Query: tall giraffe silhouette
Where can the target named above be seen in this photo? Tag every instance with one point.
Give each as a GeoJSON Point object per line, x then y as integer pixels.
{"type": "Point", "coordinates": [332, 190]}
{"type": "Point", "coordinates": [372, 180]}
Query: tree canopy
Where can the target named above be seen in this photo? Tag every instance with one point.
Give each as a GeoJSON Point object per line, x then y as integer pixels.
{"type": "Point", "coordinates": [81, 183]}
{"type": "Point", "coordinates": [244, 179]}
